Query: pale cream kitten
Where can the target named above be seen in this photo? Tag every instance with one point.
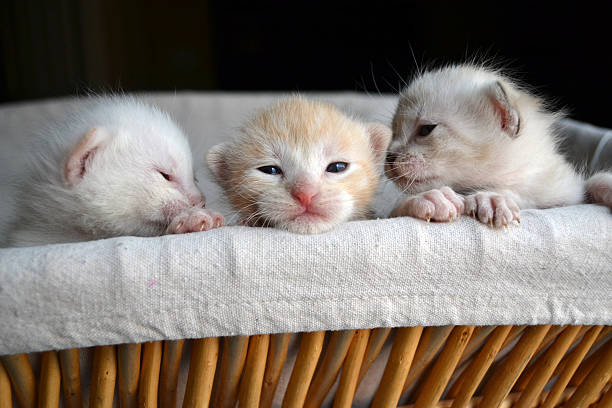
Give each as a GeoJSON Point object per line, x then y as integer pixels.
{"type": "Point", "coordinates": [471, 130]}
{"type": "Point", "coordinates": [301, 165]}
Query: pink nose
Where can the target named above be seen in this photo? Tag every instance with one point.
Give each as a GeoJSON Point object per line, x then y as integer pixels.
{"type": "Point", "coordinates": [303, 196]}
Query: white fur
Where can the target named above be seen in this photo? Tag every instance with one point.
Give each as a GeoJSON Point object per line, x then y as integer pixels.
{"type": "Point", "coordinates": [478, 148]}
{"type": "Point", "coordinates": [121, 191]}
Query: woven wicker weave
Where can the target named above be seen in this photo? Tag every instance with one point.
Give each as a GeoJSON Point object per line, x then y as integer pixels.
{"type": "Point", "coordinates": [450, 366]}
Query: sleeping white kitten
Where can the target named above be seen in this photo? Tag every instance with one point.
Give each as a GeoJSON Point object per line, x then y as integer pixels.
{"type": "Point", "coordinates": [115, 167]}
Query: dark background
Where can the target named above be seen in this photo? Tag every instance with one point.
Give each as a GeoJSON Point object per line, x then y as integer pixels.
{"type": "Point", "coordinates": [69, 47]}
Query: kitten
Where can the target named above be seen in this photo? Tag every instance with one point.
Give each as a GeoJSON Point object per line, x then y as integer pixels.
{"type": "Point", "coordinates": [301, 165]}
{"type": "Point", "coordinates": [471, 130]}
{"type": "Point", "coordinates": [117, 167]}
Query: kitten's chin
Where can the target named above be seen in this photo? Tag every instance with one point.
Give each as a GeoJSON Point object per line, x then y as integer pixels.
{"type": "Point", "coordinates": [308, 225]}
{"type": "Point", "coordinates": [416, 186]}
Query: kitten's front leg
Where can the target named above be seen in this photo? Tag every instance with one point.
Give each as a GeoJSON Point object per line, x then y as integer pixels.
{"type": "Point", "coordinates": [492, 208]}
{"type": "Point", "coordinates": [437, 205]}
{"type": "Point", "coordinates": [194, 219]}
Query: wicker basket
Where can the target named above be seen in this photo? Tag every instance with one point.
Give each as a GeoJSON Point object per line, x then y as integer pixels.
{"type": "Point", "coordinates": [448, 366]}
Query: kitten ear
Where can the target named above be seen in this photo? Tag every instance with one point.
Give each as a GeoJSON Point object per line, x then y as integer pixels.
{"type": "Point", "coordinates": [216, 159]}
{"type": "Point", "coordinates": [380, 137]}
{"type": "Point", "coordinates": [80, 157]}
{"type": "Point", "coordinates": [509, 118]}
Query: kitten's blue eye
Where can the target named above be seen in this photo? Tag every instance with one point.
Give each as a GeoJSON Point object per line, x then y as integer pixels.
{"type": "Point", "coordinates": [425, 130]}
{"type": "Point", "coordinates": [270, 170]}
{"type": "Point", "coordinates": [337, 167]}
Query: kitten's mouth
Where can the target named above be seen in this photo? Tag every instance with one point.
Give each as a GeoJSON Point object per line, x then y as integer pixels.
{"type": "Point", "coordinates": [425, 180]}
{"type": "Point", "coordinates": [308, 223]}
{"type": "Point", "coordinates": [308, 216]}
{"type": "Point", "coordinates": [408, 183]}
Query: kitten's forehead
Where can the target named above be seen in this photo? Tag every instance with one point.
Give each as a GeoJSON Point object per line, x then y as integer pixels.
{"type": "Point", "coordinates": [304, 126]}
{"type": "Point", "coordinates": [443, 89]}
{"type": "Point", "coordinates": [157, 143]}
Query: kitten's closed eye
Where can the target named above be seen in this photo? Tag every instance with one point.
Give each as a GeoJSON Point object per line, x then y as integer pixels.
{"type": "Point", "coordinates": [274, 170]}
{"type": "Point", "coordinates": [165, 175]}
{"type": "Point", "coordinates": [425, 130]}
{"type": "Point", "coordinates": [337, 167]}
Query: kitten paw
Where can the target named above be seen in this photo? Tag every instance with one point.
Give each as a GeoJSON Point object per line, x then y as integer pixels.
{"type": "Point", "coordinates": [438, 205]}
{"type": "Point", "coordinates": [493, 209]}
{"type": "Point", "coordinates": [599, 188]}
{"type": "Point", "coordinates": [194, 219]}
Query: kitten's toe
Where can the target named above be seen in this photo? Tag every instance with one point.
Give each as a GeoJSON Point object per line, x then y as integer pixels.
{"type": "Point", "coordinates": [457, 200]}
{"type": "Point", "coordinates": [514, 210]}
{"type": "Point", "coordinates": [217, 219]}
{"type": "Point", "coordinates": [484, 209]}
{"type": "Point", "coordinates": [500, 211]}
{"type": "Point", "coordinates": [202, 222]}
{"type": "Point", "coordinates": [195, 219]}
{"type": "Point", "coordinates": [445, 210]}
{"type": "Point", "coordinates": [177, 228]}
{"type": "Point", "coordinates": [492, 209]}
{"type": "Point", "coordinates": [437, 205]}
{"type": "Point", "coordinates": [470, 206]}
{"type": "Point", "coordinates": [177, 225]}
{"type": "Point", "coordinates": [205, 225]}
{"type": "Point", "coordinates": [599, 188]}
{"type": "Point", "coordinates": [416, 207]}
{"type": "Point", "coordinates": [197, 223]}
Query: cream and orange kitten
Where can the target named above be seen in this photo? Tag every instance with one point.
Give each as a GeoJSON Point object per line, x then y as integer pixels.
{"type": "Point", "coordinates": [301, 165]}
